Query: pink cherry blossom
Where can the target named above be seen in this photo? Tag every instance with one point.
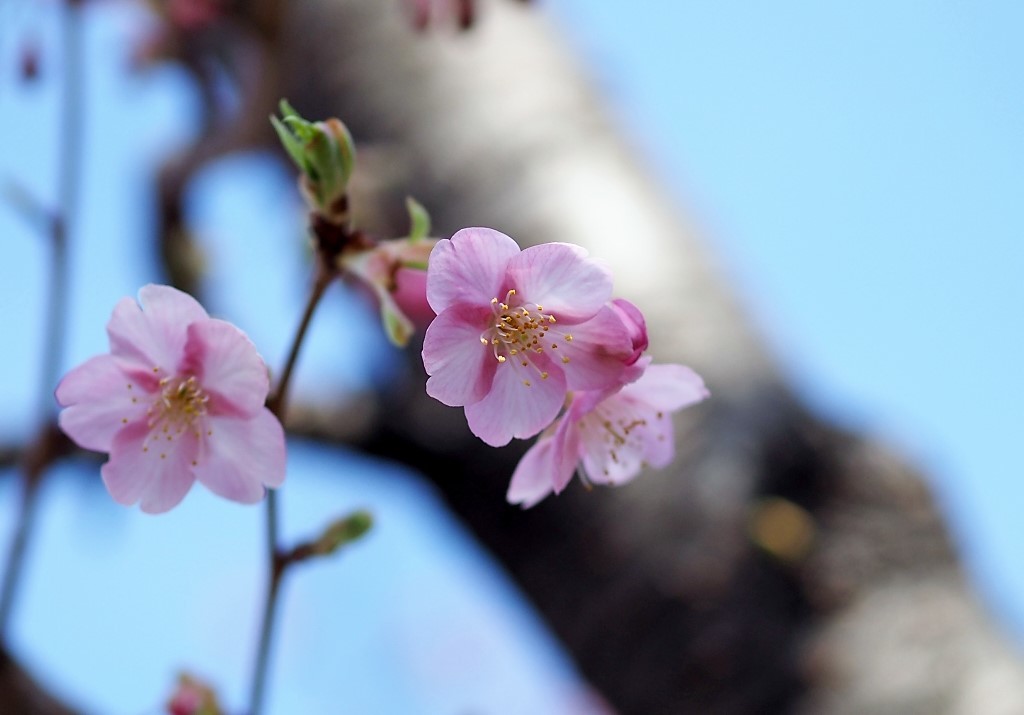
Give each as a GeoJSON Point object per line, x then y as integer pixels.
{"type": "Point", "coordinates": [180, 397]}
{"type": "Point", "coordinates": [608, 435]}
{"type": "Point", "coordinates": [516, 330]}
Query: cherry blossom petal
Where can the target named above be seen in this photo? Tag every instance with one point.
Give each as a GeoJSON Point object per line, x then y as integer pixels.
{"type": "Point", "coordinates": [98, 401]}
{"type": "Point", "coordinates": [227, 364]}
{"type": "Point", "coordinates": [598, 352]}
{"type": "Point", "coordinates": [534, 475]}
{"type": "Point", "coordinates": [154, 334]}
{"type": "Point", "coordinates": [143, 469]}
{"type": "Point", "coordinates": [612, 452]}
{"type": "Point", "coordinates": [657, 439]}
{"type": "Point", "coordinates": [240, 457]}
{"type": "Point", "coordinates": [562, 279]}
{"type": "Point", "coordinates": [468, 268]}
{"type": "Point", "coordinates": [668, 388]}
{"type": "Point", "coordinates": [461, 369]}
{"type": "Point", "coordinates": [514, 408]}
{"type": "Point", "coordinates": [566, 453]}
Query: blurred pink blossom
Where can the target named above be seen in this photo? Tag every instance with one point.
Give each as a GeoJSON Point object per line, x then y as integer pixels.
{"type": "Point", "coordinates": [608, 435]}
{"type": "Point", "coordinates": [193, 697]}
{"type": "Point", "coordinates": [192, 14]}
{"type": "Point", "coordinates": [515, 330]}
{"type": "Point", "coordinates": [396, 273]}
{"type": "Point", "coordinates": [180, 397]}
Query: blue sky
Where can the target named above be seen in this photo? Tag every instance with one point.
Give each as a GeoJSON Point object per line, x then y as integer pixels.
{"type": "Point", "coordinates": [858, 169]}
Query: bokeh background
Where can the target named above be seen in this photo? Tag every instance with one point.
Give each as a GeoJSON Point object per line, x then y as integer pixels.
{"type": "Point", "coordinates": [857, 171]}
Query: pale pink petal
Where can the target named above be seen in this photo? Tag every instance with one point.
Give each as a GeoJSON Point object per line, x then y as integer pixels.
{"type": "Point", "coordinates": [228, 366]}
{"type": "Point", "coordinates": [468, 268]}
{"type": "Point", "coordinates": [598, 352]}
{"type": "Point", "coordinates": [534, 475]}
{"type": "Point", "coordinates": [98, 400]}
{"type": "Point", "coordinates": [633, 428]}
{"type": "Point", "coordinates": [667, 388]}
{"type": "Point", "coordinates": [566, 451]}
{"type": "Point", "coordinates": [657, 440]}
{"type": "Point", "coordinates": [548, 466]}
{"type": "Point", "coordinates": [514, 408]}
{"type": "Point", "coordinates": [170, 306]}
{"type": "Point", "coordinates": [461, 368]}
{"type": "Point", "coordinates": [411, 253]}
{"type": "Point", "coordinates": [611, 447]}
{"type": "Point", "coordinates": [153, 335]}
{"type": "Point", "coordinates": [562, 279]}
{"type": "Point", "coordinates": [239, 457]}
{"type": "Point", "coordinates": [142, 467]}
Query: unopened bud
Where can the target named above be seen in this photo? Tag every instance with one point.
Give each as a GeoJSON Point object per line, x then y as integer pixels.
{"type": "Point", "coordinates": [343, 532]}
{"type": "Point", "coordinates": [396, 273]}
{"type": "Point", "coordinates": [325, 154]}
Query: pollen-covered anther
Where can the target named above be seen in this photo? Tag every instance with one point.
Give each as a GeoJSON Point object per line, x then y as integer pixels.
{"type": "Point", "coordinates": [181, 402]}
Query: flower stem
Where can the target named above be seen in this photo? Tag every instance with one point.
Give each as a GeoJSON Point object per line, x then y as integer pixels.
{"type": "Point", "coordinates": [68, 177]}
{"type": "Point", "coordinates": [276, 402]}
{"type": "Point", "coordinates": [277, 561]}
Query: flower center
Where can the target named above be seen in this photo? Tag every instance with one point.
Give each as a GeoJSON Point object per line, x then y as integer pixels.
{"type": "Point", "coordinates": [179, 406]}
{"type": "Point", "coordinates": [616, 431]}
{"type": "Point", "coordinates": [519, 331]}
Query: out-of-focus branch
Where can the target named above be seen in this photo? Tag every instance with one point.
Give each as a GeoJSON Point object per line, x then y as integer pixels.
{"type": "Point", "coordinates": [44, 449]}
{"type": "Point", "coordinates": [243, 44]}
{"type": "Point", "coordinates": [21, 695]}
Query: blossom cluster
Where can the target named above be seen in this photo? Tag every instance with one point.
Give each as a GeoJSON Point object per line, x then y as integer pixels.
{"type": "Point", "coordinates": [530, 342]}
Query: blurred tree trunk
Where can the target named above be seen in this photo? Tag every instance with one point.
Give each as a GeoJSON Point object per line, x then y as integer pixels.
{"type": "Point", "coordinates": [780, 565]}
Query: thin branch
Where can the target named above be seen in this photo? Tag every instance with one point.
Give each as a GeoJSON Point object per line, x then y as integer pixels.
{"type": "Point", "coordinates": [276, 559]}
{"type": "Point", "coordinates": [68, 172]}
